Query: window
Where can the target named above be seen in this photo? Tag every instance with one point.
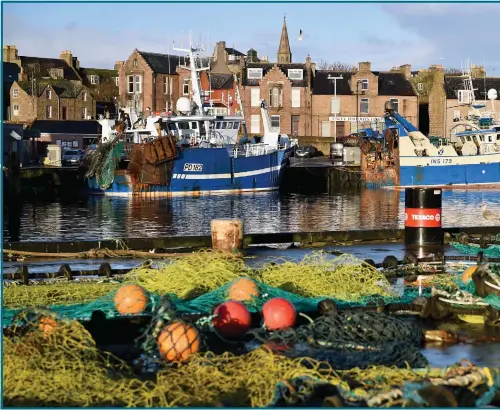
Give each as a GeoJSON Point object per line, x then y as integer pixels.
{"type": "Point", "coordinates": [335, 105]}
{"type": "Point", "coordinates": [420, 87]}
{"type": "Point", "coordinates": [295, 97]}
{"type": "Point", "coordinates": [364, 84]}
{"type": "Point", "coordinates": [296, 74]}
{"type": "Point", "coordinates": [48, 94]}
{"type": "Point", "coordinates": [464, 97]}
{"type": "Point", "coordinates": [185, 86]}
{"type": "Point", "coordinates": [395, 104]}
{"type": "Point", "coordinates": [84, 96]}
{"type": "Point", "coordinates": [325, 128]}
{"type": "Point", "coordinates": [48, 111]}
{"type": "Point", "coordinates": [165, 107]}
{"type": "Point", "coordinates": [84, 113]}
{"type": "Point", "coordinates": [130, 84]}
{"type": "Point", "coordinates": [364, 106]}
{"type": "Point", "coordinates": [15, 93]}
{"type": "Point", "coordinates": [254, 73]}
{"type": "Point", "coordinates": [64, 113]}
{"type": "Point", "coordinates": [94, 79]}
{"type": "Point", "coordinates": [138, 84]}
{"type": "Point", "coordinates": [165, 85]}
{"type": "Point", "coordinates": [15, 109]}
{"type": "Point", "coordinates": [134, 63]}
{"type": "Point", "coordinates": [276, 97]}
{"type": "Point", "coordinates": [134, 84]}
{"type": "Point", "coordinates": [255, 97]}
{"type": "Point", "coordinates": [275, 123]}
{"type": "Point", "coordinates": [117, 81]}
{"type": "Point", "coordinates": [170, 88]}
{"type": "Point", "coordinates": [255, 124]}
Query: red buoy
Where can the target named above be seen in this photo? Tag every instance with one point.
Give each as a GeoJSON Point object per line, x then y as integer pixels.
{"type": "Point", "coordinates": [278, 314]}
{"type": "Point", "coordinates": [232, 319]}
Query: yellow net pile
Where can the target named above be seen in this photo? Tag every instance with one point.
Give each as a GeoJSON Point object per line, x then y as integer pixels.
{"type": "Point", "coordinates": [60, 366]}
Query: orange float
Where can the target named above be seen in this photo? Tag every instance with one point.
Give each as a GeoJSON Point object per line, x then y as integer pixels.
{"type": "Point", "coordinates": [278, 313]}
{"type": "Point", "coordinates": [467, 275]}
{"type": "Point", "coordinates": [232, 319]}
{"type": "Point", "coordinates": [130, 299]}
{"type": "Point", "coordinates": [47, 325]}
{"type": "Point", "coordinates": [243, 289]}
{"type": "Point", "coordinates": [178, 341]}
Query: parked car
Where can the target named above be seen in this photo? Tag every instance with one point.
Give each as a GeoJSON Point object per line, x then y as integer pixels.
{"type": "Point", "coordinates": [72, 157]}
{"type": "Point", "coordinates": [306, 151]}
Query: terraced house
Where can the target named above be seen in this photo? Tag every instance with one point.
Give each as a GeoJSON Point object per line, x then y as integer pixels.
{"type": "Point", "coordinates": [56, 88]}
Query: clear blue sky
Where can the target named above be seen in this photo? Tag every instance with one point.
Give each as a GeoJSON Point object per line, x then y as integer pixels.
{"type": "Point", "coordinates": [385, 34]}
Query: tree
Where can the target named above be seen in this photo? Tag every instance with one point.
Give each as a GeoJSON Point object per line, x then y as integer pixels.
{"type": "Point", "coordinates": [336, 66]}
{"type": "Point", "coordinates": [105, 91]}
{"type": "Point", "coordinates": [452, 71]}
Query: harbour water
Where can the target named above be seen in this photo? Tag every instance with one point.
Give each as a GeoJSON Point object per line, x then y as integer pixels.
{"type": "Point", "coordinates": [98, 217]}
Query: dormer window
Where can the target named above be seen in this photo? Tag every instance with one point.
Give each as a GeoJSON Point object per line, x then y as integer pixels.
{"type": "Point", "coordinates": [15, 93]}
{"type": "Point", "coordinates": [254, 73]}
{"type": "Point", "coordinates": [94, 79]}
{"type": "Point", "coordinates": [48, 94]}
{"type": "Point", "coordinates": [364, 84]}
{"type": "Point", "coordinates": [296, 74]}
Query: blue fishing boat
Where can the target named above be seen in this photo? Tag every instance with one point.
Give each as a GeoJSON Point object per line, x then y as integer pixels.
{"type": "Point", "coordinates": [403, 157]}
{"type": "Point", "coordinates": [190, 152]}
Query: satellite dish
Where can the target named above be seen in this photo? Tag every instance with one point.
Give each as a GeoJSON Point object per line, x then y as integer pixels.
{"type": "Point", "coordinates": [492, 94]}
{"type": "Point", "coordinates": [183, 105]}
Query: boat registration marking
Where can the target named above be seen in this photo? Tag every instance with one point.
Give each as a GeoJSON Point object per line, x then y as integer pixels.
{"type": "Point", "coordinates": [442, 161]}
{"type": "Point", "coordinates": [193, 167]}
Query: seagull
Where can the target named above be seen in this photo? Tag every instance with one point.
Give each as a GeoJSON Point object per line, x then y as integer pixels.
{"type": "Point", "coordinates": [300, 36]}
{"type": "Point", "coordinates": [488, 214]}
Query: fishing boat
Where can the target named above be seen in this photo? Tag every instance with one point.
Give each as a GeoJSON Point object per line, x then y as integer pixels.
{"type": "Point", "coordinates": [189, 152]}
{"type": "Point", "coordinates": [403, 157]}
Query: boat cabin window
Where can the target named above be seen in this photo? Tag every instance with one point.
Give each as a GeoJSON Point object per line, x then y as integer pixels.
{"type": "Point", "coordinates": [224, 125]}
{"type": "Point", "coordinates": [183, 125]}
{"type": "Point", "coordinates": [194, 125]}
{"type": "Point", "coordinates": [236, 125]}
{"type": "Point", "coordinates": [229, 125]}
{"type": "Point", "coordinates": [468, 138]}
{"type": "Point", "coordinates": [217, 126]}
{"type": "Point", "coordinates": [490, 138]}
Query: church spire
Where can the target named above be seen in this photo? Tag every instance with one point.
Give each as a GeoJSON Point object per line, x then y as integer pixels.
{"type": "Point", "coordinates": [284, 53]}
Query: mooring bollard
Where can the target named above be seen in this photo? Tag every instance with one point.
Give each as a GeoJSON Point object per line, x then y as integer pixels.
{"type": "Point", "coordinates": [227, 234]}
{"type": "Point", "coordinates": [423, 222]}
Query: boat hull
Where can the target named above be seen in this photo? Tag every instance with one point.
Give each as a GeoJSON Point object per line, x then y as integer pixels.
{"type": "Point", "coordinates": [206, 172]}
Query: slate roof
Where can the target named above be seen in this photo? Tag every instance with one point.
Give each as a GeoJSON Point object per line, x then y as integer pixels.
{"type": "Point", "coordinates": [221, 81]}
{"type": "Point", "coordinates": [233, 51]}
{"type": "Point", "coordinates": [63, 88]}
{"type": "Point", "coordinates": [88, 127]}
{"type": "Point", "coordinates": [388, 83]}
{"type": "Point", "coordinates": [266, 67]}
{"type": "Point", "coordinates": [104, 74]}
{"type": "Point", "coordinates": [48, 63]}
{"type": "Point", "coordinates": [453, 84]}
{"type": "Point", "coordinates": [10, 72]}
{"type": "Point", "coordinates": [163, 63]}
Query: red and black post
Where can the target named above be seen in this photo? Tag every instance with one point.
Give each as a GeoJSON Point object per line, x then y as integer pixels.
{"type": "Point", "coordinates": [423, 221]}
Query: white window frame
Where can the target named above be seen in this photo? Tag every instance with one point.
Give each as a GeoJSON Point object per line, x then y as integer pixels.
{"type": "Point", "coordinates": [367, 101]}
{"type": "Point", "coordinates": [295, 74]}
{"type": "Point", "coordinates": [84, 96]}
{"type": "Point", "coordinates": [49, 116]}
{"type": "Point", "coordinates": [130, 81]}
{"type": "Point", "coordinates": [84, 113]}
{"type": "Point", "coordinates": [165, 85]}
{"type": "Point", "coordinates": [395, 101]}
{"type": "Point", "coordinates": [94, 79]}
{"type": "Point", "coordinates": [185, 83]}
{"type": "Point", "coordinates": [364, 84]}
{"type": "Point", "coordinates": [329, 133]}
{"type": "Point", "coordinates": [15, 111]}
{"type": "Point", "coordinates": [254, 73]}
{"type": "Point", "coordinates": [138, 83]}
{"type": "Point", "coordinates": [170, 88]}
{"type": "Point", "coordinates": [117, 81]}
{"type": "Point", "coordinates": [255, 97]}
{"type": "Point", "coordinates": [295, 97]}
{"type": "Point", "coordinates": [276, 97]}
{"type": "Point", "coordinates": [165, 106]}
{"type": "Point", "coordinates": [15, 93]}
{"type": "Point", "coordinates": [420, 86]}
{"type": "Point", "coordinates": [274, 128]}
{"type": "Point", "coordinates": [332, 104]}
{"type": "Point", "coordinates": [464, 97]}
{"type": "Point", "coordinates": [255, 124]}
{"type": "Point", "coordinates": [48, 94]}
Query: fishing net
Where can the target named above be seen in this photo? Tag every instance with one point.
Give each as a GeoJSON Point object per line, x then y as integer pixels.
{"type": "Point", "coordinates": [103, 162]}
{"type": "Point", "coordinates": [493, 251]}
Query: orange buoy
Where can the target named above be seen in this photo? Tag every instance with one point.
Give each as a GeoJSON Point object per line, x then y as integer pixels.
{"type": "Point", "coordinates": [130, 299]}
{"type": "Point", "coordinates": [232, 319]}
{"type": "Point", "coordinates": [47, 325]}
{"type": "Point", "coordinates": [278, 314]}
{"type": "Point", "coordinates": [178, 341]}
{"type": "Point", "coordinates": [467, 275]}
{"type": "Point", "coordinates": [243, 289]}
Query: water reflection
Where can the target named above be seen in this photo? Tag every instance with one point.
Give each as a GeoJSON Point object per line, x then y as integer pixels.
{"type": "Point", "coordinates": [109, 218]}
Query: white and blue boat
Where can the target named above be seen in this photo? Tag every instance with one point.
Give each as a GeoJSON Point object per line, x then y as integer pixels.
{"type": "Point", "coordinates": [188, 153]}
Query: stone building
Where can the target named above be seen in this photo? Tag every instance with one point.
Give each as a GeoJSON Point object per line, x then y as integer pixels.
{"type": "Point", "coordinates": [286, 87]}
{"type": "Point", "coordinates": [10, 72]}
{"type": "Point", "coordinates": [54, 88]}
{"type": "Point", "coordinates": [450, 102]}
{"type": "Point", "coordinates": [150, 80]}
{"type": "Point", "coordinates": [361, 96]}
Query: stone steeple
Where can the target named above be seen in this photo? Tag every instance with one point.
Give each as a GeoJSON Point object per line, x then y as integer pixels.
{"type": "Point", "coordinates": [284, 53]}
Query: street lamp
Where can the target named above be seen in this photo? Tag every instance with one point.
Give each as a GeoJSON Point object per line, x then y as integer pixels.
{"type": "Point", "coordinates": [337, 105]}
